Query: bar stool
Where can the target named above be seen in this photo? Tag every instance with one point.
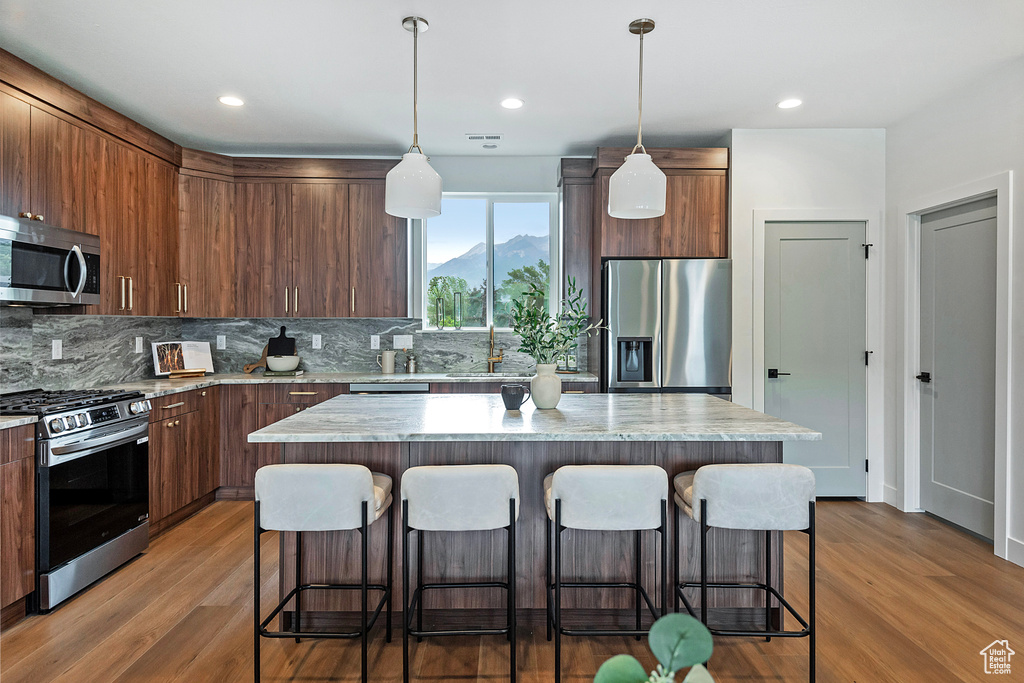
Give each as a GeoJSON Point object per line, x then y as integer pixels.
{"type": "Point", "coordinates": [604, 498]}
{"type": "Point", "coordinates": [323, 497]}
{"type": "Point", "coordinates": [760, 497]}
{"type": "Point", "coordinates": [458, 498]}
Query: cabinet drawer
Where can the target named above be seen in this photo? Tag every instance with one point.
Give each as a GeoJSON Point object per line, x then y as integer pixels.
{"type": "Point", "coordinates": [299, 393]}
{"type": "Point", "coordinates": [171, 405]}
{"type": "Point", "coordinates": [17, 443]}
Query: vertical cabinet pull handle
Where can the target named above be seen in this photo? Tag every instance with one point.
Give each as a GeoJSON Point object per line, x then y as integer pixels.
{"type": "Point", "coordinates": [285, 299]}
{"type": "Point", "coordinates": [131, 294]}
{"type": "Point", "coordinates": [295, 308]}
{"type": "Point", "coordinates": [123, 305]}
{"type": "Point", "coordinates": [177, 287]}
{"type": "Point", "coordinates": [353, 299]}
{"type": "Point", "coordinates": [185, 287]}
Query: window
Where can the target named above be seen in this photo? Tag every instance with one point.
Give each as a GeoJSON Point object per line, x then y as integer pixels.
{"type": "Point", "coordinates": [483, 251]}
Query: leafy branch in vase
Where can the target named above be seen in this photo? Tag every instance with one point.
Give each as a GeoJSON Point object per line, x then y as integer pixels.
{"type": "Point", "coordinates": [546, 337]}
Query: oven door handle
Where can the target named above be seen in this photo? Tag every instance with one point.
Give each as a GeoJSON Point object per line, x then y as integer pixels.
{"type": "Point", "coordinates": [59, 454]}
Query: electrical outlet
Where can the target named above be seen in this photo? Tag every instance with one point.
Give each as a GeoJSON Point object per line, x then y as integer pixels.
{"type": "Point", "coordinates": [222, 341]}
{"type": "Point", "coordinates": [403, 341]}
{"type": "Point", "coordinates": [138, 345]}
{"type": "Point", "coordinates": [317, 342]}
{"type": "Point", "coordinates": [374, 341]}
{"type": "Point", "coordinates": [58, 349]}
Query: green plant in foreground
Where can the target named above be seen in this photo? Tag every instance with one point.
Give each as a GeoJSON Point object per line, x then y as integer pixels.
{"type": "Point", "coordinates": [678, 641]}
{"type": "Point", "coordinates": [545, 337]}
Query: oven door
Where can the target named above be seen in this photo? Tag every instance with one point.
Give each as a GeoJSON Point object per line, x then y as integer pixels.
{"type": "Point", "coordinates": [90, 491]}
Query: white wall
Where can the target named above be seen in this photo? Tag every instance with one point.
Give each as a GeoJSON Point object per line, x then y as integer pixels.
{"type": "Point", "coordinates": [498, 174]}
{"type": "Point", "coordinates": [974, 133]}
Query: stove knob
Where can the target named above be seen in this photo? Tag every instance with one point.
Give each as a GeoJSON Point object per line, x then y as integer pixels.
{"type": "Point", "coordinates": [146, 404]}
{"type": "Point", "coordinates": [82, 420]}
{"type": "Point", "coordinates": [70, 422]}
{"type": "Point", "coordinates": [56, 426]}
{"type": "Point", "coordinates": [135, 408]}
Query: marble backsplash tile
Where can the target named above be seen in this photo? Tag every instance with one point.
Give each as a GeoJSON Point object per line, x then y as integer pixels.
{"type": "Point", "coordinates": [101, 349]}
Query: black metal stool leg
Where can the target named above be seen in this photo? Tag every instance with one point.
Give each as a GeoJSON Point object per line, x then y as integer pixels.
{"type": "Point", "coordinates": [704, 561]}
{"type": "Point", "coordinates": [547, 573]}
{"type": "Point", "coordinates": [364, 533]}
{"type": "Point", "coordinates": [390, 570]}
{"type": "Point", "coordinates": [637, 545]}
{"type": "Point", "coordinates": [811, 572]}
{"type": "Point", "coordinates": [664, 557]}
{"type": "Point", "coordinates": [767, 582]}
{"type": "Point", "coordinates": [297, 621]}
{"type": "Point", "coordinates": [675, 557]}
{"type": "Point", "coordinates": [419, 582]}
{"type": "Point", "coordinates": [256, 593]}
{"type": "Point", "coordinates": [558, 591]}
{"type": "Point", "coordinates": [512, 589]}
{"type": "Point", "coordinates": [406, 617]}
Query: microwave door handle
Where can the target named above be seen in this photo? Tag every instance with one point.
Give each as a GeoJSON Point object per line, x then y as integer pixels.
{"type": "Point", "coordinates": [82, 274]}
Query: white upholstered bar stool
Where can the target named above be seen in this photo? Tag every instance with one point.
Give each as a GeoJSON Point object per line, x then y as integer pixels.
{"type": "Point", "coordinates": [759, 497]}
{"type": "Point", "coordinates": [604, 498]}
{"type": "Point", "coordinates": [322, 497]}
{"type": "Point", "coordinates": [458, 498]}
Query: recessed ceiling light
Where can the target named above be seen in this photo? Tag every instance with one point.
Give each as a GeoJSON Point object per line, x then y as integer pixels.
{"type": "Point", "coordinates": [490, 146]}
{"type": "Point", "coordinates": [512, 103]}
{"type": "Point", "coordinates": [790, 103]}
{"type": "Point", "coordinates": [231, 101]}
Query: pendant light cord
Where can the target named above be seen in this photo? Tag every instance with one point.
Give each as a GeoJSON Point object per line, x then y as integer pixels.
{"type": "Point", "coordinates": [415, 87]}
{"type": "Point", "coordinates": [640, 102]}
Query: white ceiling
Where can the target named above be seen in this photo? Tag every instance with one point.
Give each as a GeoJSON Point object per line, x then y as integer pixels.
{"type": "Point", "coordinates": [335, 76]}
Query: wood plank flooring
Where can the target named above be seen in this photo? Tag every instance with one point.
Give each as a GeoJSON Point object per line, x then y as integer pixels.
{"type": "Point", "coordinates": [901, 598]}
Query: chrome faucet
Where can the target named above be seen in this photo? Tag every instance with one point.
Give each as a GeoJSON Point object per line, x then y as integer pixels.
{"type": "Point", "coordinates": [492, 360]}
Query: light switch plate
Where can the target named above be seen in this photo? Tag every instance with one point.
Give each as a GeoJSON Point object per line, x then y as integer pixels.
{"type": "Point", "coordinates": [138, 345]}
{"type": "Point", "coordinates": [317, 342]}
{"type": "Point", "coordinates": [374, 341]}
{"type": "Point", "coordinates": [403, 341]}
{"type": "Point", "coordinates": [222, 341]}
{"type": "Point", "coordinates": [58, 349]}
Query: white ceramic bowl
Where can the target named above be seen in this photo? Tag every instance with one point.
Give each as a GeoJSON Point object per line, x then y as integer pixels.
{"type": "Point", "coordinates": [283, 363]}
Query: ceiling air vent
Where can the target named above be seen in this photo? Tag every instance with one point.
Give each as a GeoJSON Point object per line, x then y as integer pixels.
{"type": "Point", "coordinates": [484, 137]}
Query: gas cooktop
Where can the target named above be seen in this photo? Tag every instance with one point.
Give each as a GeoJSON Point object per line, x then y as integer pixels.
{"type": "Point", "coordinates": [40, 402]}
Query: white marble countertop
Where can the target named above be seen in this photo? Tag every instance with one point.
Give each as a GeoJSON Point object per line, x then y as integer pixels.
{"type": "Point", "coordinates": [482, 417]}
{"type": "Point", "coordinates": [8, 421]}
{"type": "Point", "coordinates": [154, 388]}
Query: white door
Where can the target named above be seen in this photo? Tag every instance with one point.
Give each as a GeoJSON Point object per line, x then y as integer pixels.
{"type": "Point", "coordinates": [815, 335]}
{"type": "Point", "coordinates": [958, 349]}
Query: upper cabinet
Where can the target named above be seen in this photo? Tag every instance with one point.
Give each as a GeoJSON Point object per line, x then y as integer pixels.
{"type": "Point", "coordinates": [15, 117]}
{"type": "Point", "coordinates": [206, 247]}
{"type": "Point", "coordinates": [378, 255]}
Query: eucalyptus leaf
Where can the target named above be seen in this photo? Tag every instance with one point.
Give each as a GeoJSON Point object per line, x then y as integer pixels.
{"type": "Point", "coordinates": [621, 669]}
{"type": "Point", "coordinates": [679, 641]}
{"type": "Point", "coordinates": [698, 674]}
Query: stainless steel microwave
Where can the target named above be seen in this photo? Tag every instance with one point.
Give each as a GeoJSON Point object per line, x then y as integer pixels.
{"type": "Point", "coordinates": [41, 265]}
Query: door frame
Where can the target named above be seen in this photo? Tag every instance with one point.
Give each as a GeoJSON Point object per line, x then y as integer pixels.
{"type": "Point", "coordinates": [910, 214]}
{"type": "Point", "coordinates": [875, 324]}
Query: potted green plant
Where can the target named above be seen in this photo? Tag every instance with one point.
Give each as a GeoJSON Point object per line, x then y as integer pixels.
{"type": "Point", "coordinates": [546, 337]}
{"type": "Point", "coordinates": [678, 641]}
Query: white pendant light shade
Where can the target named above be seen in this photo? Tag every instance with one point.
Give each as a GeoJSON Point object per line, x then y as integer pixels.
{"type": "Point", "coordinates": [412, 188]}
{"type": "Point", "coordinates": [637, 189]}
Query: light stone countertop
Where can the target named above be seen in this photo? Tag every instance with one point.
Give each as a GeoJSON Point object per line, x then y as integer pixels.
{"type": "Point", "coordinates": [154, 388]}
{"type": "Point", "coordinates": [6, 422]}
{"type": "Point", "coordinates": [482, 417]}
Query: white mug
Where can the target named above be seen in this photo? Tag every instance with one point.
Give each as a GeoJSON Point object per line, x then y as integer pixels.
{"type": "Point", "coordinates": [386, 362]}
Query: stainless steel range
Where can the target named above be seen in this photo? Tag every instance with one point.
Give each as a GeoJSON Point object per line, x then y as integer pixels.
{"type": "Point", "coordinates": [92, 485]}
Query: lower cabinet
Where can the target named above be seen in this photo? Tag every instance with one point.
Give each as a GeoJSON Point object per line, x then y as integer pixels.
{"type": "Point", "coordinates": [184, 455]}
{"type": "Point", "coordinates": [17, 513]}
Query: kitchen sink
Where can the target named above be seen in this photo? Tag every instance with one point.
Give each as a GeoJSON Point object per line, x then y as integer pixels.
{"type": "Point", "coordinates": [488, 374]}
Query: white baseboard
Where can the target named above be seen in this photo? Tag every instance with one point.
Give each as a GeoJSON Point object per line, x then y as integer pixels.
{"type": "Point", "coordinates": [1015, 551]}
{"type": "Point", "coordinates": [890, 495]}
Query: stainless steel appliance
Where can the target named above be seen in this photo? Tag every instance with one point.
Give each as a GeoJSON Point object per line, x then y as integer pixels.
{"type": "Point", "coordinates": [92, 485]}
{"type": "Point", "coordinates": [390, 389]}
{"type": "Point", "coordinates": [41, 265]}
{"type": "Point", "coordinates": [669, 325]}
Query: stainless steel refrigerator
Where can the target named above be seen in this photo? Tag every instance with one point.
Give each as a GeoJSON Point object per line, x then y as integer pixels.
{"type": "Point", "coordinates": [669, 325]}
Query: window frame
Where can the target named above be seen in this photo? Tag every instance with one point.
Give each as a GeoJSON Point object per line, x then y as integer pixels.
{"type": "Point", "coordinates": [418, 254]}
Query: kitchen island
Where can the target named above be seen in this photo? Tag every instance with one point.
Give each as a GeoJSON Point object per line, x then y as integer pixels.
{"type": "Point", "coordinates": [677, 432]}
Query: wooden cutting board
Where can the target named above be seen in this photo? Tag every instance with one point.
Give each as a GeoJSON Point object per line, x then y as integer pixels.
{"type": "Point", "coordinates": [262, 363]}
{"type": "Point", "coordinates": [281, 345]}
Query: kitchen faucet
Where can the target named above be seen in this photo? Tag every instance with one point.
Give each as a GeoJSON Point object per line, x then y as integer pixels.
{"type": "Point", "coordinates": [492, 360]}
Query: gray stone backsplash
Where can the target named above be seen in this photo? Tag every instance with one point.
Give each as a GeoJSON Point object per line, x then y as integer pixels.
{"type": "Point", "coordinates": [99, 350]}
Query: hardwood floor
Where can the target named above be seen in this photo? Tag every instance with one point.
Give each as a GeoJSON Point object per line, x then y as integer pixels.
{"type": "Point", "coordinates": [901, 598]}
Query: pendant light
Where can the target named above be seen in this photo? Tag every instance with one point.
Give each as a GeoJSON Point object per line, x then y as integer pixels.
{"type": "Point", "coordinates": [637, 189]}
{"type": "Point", "coordinates": [412, 188]}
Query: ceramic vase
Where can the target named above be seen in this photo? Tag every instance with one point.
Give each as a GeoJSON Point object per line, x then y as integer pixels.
{"type": "Point", "coordinates": [546, 386]}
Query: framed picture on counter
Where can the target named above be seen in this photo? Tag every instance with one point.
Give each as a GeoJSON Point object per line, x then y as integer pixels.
{"type": "Point", "coordinates": [179, 356]}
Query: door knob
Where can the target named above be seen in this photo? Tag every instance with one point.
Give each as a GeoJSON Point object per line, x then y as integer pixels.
{"type": "Point", "coordinates": [773, 373]}
{"type": "Point", "coordinates": [925, 377]}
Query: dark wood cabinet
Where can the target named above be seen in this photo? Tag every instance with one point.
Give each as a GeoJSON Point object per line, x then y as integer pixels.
{"type": "Point", "coordinates": [263, 249]}
{"type": "Point", "coordinates": [165, 445]}
{"type": "Point", "coordinates": [17, 514]}
{"type": "Point", "coordinates": [206, 248]}
{"type": "Point", "coordinates": [56, 171]}
{"type": "Point", "coordinates": [378, 255]}
{"type": "Point", "coordinates": [156, 257]}
{"type": "Point", "coordinates": [319, 250]}
{"type": "Point", "coordinates": [15, 139]}
{"type": "Point", "coordinates": [278, 401]}
{"type": "Point", "coordinates": [204, 440]}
